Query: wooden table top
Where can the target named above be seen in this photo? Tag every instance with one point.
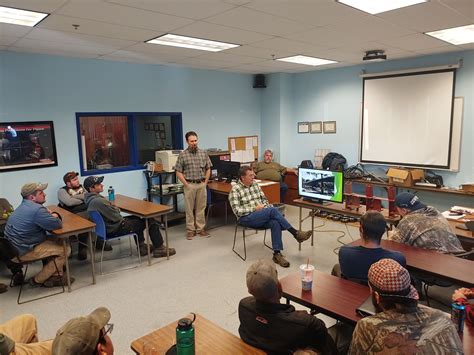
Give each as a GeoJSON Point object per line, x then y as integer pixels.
{"type": "Point", "coordinates": [443, 265]}
{"type": "Point", "coordinates": [144, 209]}
{"type": "Point", "coordinates": [339, 298]}
{"type": "Point", "coordinates": [339, 208]}
{"type": "Point", "coordinates": [460, 232]}
{"type": "Point", "coordinates": [331, 295]}
{"type": "Point", "coordinates": [72, 223]}
{"type": "Point", "coordinates": [209, 339]}
{"type": "Point", "coordinates": [223, 187]}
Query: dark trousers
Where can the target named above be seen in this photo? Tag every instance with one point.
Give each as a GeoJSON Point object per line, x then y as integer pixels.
{"type": "Point", "coordinates": [283, 190]}
{"type": "Point", "coordinates": [133, 224]}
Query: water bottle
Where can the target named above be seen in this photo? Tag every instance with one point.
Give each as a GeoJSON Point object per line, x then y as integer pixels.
{"type": "Point", "coordinates": [111, 192]}
{"type": "Point", "coordinates": [185, 336]}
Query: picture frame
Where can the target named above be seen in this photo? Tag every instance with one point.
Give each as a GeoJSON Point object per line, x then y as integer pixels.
{"type": "Point", "coordinates": [27, 145]}
{"type": "Point", "coordinates": [329, 127]}
{"type": "Point", "coordinates": [316, 127]}
{"type": "Point", "coordinates": [303, 127]}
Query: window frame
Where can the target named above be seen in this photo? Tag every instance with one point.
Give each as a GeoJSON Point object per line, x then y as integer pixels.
{"type": "Point", "coordinates": [132, 119]}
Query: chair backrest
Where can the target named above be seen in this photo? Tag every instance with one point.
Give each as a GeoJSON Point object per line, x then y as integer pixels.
{"type": "Point", "coordinates": [7, 250]}
{"type": "Point", "coordinates": [100, 230]}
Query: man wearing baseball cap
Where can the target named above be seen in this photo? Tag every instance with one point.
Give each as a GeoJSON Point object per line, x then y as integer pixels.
{"type": "Point", "coordinates": [275, 327]}
{"type": "Point", "coordinates": [27, 229]}
{"type": "Point", "coordinates": [71, 198]}
{"type": "Point", "coordinates": [116, 224]}
{"type": "Point", "coordinates": [401, 326]}
{"type": "Point", "coordinates": [423, 226]}
{"type": "Point", "coordinates": [87, 335]}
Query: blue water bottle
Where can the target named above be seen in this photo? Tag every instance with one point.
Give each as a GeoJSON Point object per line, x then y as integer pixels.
{"type": "Point", "coordinates": [111, 192]}
{"type": "Point", "coordinates": [185, 336]}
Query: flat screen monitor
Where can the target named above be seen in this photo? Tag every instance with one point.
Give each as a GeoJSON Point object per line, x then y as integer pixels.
{"type": "Point", "coordinates": [228, 170]}
{"type": "Point", "coordinates": [321, 185]}
{"type": "Point", "coordinates": [27, 145]}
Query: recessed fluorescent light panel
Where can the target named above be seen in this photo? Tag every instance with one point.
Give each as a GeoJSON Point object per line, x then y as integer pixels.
{"type": "Point", "coordinates": [190, 42]}
{"type": "Point", "coordinates": [377, 6]}
{"type": "Point", "coordinates": [20, 17]}
{"type": "Point", "coordinates": [302, 59]}
{"type": "Point", "coordinates": [456, 35]}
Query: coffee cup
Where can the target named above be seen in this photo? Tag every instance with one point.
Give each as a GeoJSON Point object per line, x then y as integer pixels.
{"type": "Point", "coordinates": [306, 276]}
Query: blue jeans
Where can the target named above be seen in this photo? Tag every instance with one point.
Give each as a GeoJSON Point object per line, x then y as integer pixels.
{"type": "Point", "coordinates": [271, 218]}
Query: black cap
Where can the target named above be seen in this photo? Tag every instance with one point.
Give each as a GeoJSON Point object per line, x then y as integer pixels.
{"type": "Point", "coordinates": [92, 180]}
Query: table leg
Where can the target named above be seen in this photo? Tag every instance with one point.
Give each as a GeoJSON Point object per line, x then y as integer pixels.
{"type": "Point", "coordinates": [92, 256]}
{"type": "Point", "coordinates": [299, 227]}
{"type": "Point", "coordinates": [166, 238]}
{"type": "Point", "coordinates": [312, 228]}
{"type": "Point", "coordinates": [68, 276]}
{"type": "Point", "coordinates": [148, 241]}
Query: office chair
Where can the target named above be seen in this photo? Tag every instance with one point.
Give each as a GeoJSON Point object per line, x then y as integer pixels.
{"type": "Point", "coordinates": [9, 251]}
{"type": "Point", "coordinates": [101, 234]}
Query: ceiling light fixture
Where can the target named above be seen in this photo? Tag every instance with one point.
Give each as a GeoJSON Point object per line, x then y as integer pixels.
{"type": "Point", "coordinates": [20, 17]}
{"type": "Point", "coordinates": [375, 55]}
{"type": "Point", "coordinates": [302, 59]}
{"type": "Point", "coordinates": [190, 42]}
{"type": "Point", "coordinates": [455, 35]}
{"type": "Point", "coordinates": [377, 6]}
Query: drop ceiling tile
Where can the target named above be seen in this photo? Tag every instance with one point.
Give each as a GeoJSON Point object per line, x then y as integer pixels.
{"type": "Point", "coordinates": [414, 42]}
{"type": "Point", "coordinates": [122, 15]}
{"type": "Point", "coordinates": [7, 40]}
{"type": "Point", "coordinates": [79, 39]}
{"type": "Point", "coordinates": [293, 46]}
{"type": "Point", "coordinates": [168, 50]}
{"type": "Point", "coordinates": [61, 53]}
{"type": "Point", "coordinates": [463, 7]}
{"type": "Point", "coordinates": [314, 13]}
{"type": "Point", "coordinates": [204, 62]}
{"type": "Point", "coordinates": [96, 28]}
{"type": "Point", "coordinates": [425, 17]}
{"type": "Point", "coordinates": [264, 53]}
{"type": "Point", "coordinates": [54, 46]}
{"type": "Point", "coordinates": [230, 58]}
{"type": "Point", "coordinates": [256, 21]}
{"type": "Point", "coordinates": [151, 57]}
{"type": "Point", "coordinates": [46, 6]}
{"type": "Point", "coordinates": [123, 56]}
{"type": "Point", "coordinates": [467, 46]}
{"type": "Point", "coordinates": [443, 49]}
{"type": "Point", "coordinates": [215, 32]}
{"type": "Point", "coordinates": [7, 29]}
{"type": "Point", "coordinates": [185, 8]}
{"type": "Point", "coordinates": [323, 36]}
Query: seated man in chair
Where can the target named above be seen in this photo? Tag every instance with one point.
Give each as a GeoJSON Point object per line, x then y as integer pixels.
{"type": "Point", "coordinates": [26, 230]}
{"type": "Point", "coordinates": [252, 210]}
{"type": "Point", "coordinates": [270, 170]}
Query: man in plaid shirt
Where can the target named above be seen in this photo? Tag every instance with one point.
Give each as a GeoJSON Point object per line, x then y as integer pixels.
{"type": "Point", "coordinates": [193, 169]}
{"type": "Point", "coordinates": [252, 209]}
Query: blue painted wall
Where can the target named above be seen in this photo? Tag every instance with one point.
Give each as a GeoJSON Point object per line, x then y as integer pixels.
{"type": "Point", "coordinates": [38, 87]}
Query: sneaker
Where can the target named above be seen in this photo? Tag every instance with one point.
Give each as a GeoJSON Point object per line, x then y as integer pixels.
{"type": "Point", "coordinates": [301, 236]}
{"type": "Point", "coordinates": [56, 280]}
{"type": "Point", "coordinates": [280, 260]}
{"type": "Point", "coordinates": [18, 279]}
{"type": "Point", "coordinates": [161, 252]}
{"type": "Point", "coordinates": [204, 234]}
{"type": "Point", "coordinates": [190, 235]}
{"type": "Point", "coordinates": [82, 254]}
{"type": "Point", "coordinates": [99, 243]}
{"type": "Point", "coordinates": [3, 288]}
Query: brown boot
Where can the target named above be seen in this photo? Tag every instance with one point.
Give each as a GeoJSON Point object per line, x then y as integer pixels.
{"type": "Point", "coordinates": [190, 235]}
{"type": "Point", "coordinates": [204, 234]}
{"type": "Point", "coordinates": [301, 236]}
{"type": "Point", "coordinates": [279, 259]}
{"type": "Point", "coordinates": [161, 252]}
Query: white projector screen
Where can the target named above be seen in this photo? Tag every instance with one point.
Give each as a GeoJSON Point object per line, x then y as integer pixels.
{"type": "Point", "coordinates": [407, 119]}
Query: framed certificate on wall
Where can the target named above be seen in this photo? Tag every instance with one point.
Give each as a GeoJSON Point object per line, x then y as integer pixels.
{"type": "Point", "coordinates": [303, 127]}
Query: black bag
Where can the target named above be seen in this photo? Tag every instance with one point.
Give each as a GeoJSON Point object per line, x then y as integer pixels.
{"type": "Point", "coordinates": [334, 162]}
{"type": "Point", "coordinates": [433, 178]}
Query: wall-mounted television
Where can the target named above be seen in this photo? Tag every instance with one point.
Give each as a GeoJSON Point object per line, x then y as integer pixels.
{"type": "Point", "coordinates": [321, 185]}
{"type": "Point", "coordinates": [27, 145]}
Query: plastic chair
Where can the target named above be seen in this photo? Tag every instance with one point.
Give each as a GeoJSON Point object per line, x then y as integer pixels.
{"type": "Point", "coordinates": [244, 228]}
{"type": "Point", "coordinates": [101, 234]}
{"type": "Point", "coordinates": [10, 252]}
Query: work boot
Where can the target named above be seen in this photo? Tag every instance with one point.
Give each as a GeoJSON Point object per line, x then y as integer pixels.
{"type": "Point", "coordinates": [82, 253]}
{"type": "Point", "coordinates": [18, 278]}
{"type": "Point", "coordinates": [204, 234]}
{"type": "Point", "coordinates": [144, 249]}
{"type": "Point", "coordinates": [279, 259]}
{"type": "Point", "coordinates": [56, 280]}
{"type": "Point", "coordinates": [161, 252]}
{"type": "Point", "coordinates": [98, 245]}
{"type": "Point", "coordinates": [301, 236]}
{"type": "Point", "coordinates": [190, 235]}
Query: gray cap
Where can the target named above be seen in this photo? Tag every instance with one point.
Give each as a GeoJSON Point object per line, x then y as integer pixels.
{"type": "Point", "coordinates": [262, 280]}
{"type": "Point", "coordinates": [31, 187]}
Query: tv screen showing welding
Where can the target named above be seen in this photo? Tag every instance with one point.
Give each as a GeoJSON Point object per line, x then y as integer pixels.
{"type": "Point", "coordinates": [27, 145]}
{"type": "Point", "coordinates": [321, 185]}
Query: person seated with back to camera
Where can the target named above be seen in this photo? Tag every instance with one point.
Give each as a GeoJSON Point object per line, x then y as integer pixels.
{"type": "Point", "coordinates": [71, 198]}
{"type": "Point", "coordinates": [251, 207]}
{"type": "Point", "coordinates": [116, 224]}
{"type": "Point", "coordinates": [273, 171]}
{"type": "Point", "coordinates": [355, 261]}
{"type": "Point", "coordinates": [275, 327]}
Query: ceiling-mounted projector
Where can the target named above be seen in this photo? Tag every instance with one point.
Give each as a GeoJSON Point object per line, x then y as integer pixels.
{"type": "Point", "coordinates": [375, 55]}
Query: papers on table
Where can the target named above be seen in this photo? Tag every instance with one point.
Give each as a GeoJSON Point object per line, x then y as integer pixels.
{"type": "Point", "coordinates": [453, 216]}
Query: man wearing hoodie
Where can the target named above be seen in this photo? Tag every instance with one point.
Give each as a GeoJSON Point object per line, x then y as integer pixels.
{"type": "Point", "coordinates": [423, 226]}
{"type": "Point", "coordinates": [115, 224]}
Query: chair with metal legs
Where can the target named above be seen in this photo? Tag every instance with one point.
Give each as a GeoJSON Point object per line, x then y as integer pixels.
{"type": "Point", "coordinates": [244, 228]}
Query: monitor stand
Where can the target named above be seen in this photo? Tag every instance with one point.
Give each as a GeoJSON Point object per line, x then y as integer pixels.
{"type": "Point", "coordinates": [316, 200]}
{"type": "Point", "coordinates": [229, 179]}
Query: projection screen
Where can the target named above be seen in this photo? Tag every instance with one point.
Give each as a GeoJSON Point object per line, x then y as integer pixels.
{"type": "Point", "coordinates": [407, 119]}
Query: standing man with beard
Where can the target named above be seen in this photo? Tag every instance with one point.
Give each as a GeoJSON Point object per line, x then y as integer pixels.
{"type": "Point", "coordinates": [193, 169]}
